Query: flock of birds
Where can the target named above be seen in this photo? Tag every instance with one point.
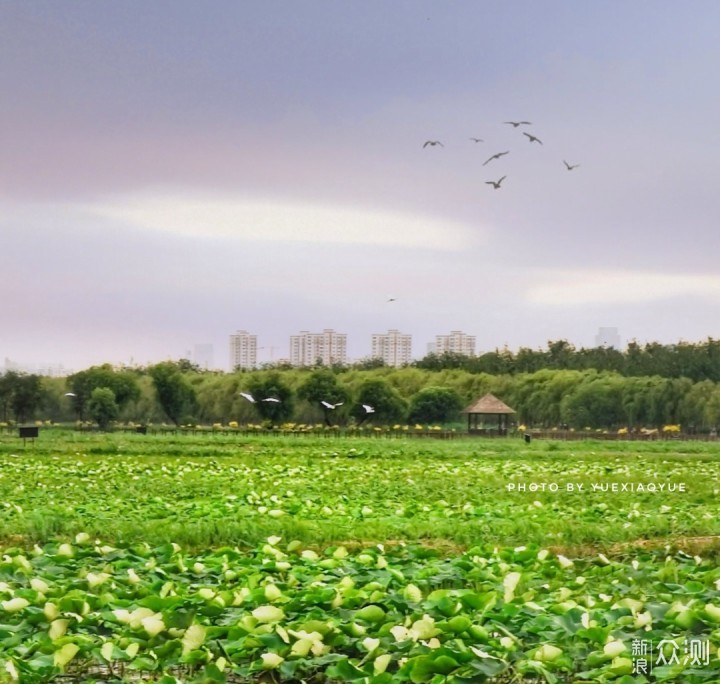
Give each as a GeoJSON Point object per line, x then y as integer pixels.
{"type": "Point", "coordinates": [496, 184]}
{"type": "Point", "coordinates": [328, 406]}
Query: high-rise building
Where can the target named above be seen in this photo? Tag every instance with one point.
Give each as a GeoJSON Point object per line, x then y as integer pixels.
{"type": "Point", "coordinates": [394, 348]}
{"type": "Point", "coordinates": [328, 347]}
{"type": "Point", "coordinates": [608, 337]}
{"type": "Point", "coordinates": [243, 350]}
{"type": "Point", "coordinates": [457, 342]}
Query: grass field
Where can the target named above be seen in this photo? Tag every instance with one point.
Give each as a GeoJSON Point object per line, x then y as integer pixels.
{"type": "Point", "coordinates": [219, 558]}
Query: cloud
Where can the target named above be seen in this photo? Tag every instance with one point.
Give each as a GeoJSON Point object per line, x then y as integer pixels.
{"type": "Point", "coordinates": [209, 215]}
{"type": "Point", "coordinates": [578, 288]}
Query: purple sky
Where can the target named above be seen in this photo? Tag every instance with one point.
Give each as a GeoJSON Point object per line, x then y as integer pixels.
{"type": "Point", "coordinates": [171, 172]}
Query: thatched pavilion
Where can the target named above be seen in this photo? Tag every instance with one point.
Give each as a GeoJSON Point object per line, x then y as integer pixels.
{"type": "Point", "coordinates": [488, 409]}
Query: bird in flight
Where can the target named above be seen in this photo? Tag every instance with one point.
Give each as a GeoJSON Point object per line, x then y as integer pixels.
{"type": "Point", "coordinates": [496, 156]}
{"type": "Point", "coordinates": [532, 138]}
{"type": "Point", "coordinates": [328, 405]}
{"type": "Point", "coordinates": [477, 140]}
{"type": "Point", "coordinates": [570, 167]}
{"type": "Point", "coordinates": [433, 143]}
{"type": "Point", "coordinates": [247, 396]}
{"type": "Point", "coordinates": [496, 184]}
{"type": "Point", "coordinates": [70, 394]}
{"type": "Point", "coordinates": [368, 410]}
{"type": "Point", "coordinates": [273, 399]}
{"type": "Point", "coordinates": [515, 124]}
{"type": "Point", "coordinates": [391, 299]}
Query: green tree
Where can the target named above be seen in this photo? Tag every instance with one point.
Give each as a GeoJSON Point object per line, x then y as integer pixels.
{"type": "Point", "coordinates": [271, 386]}
{"type": "Point", "coordinates": [322, 388]}
{"type": "Point", "coordinates": [26, 395]}
{"type": "Point", "coordinates": [596, 403]}
{"type": "Point", "coordinates": [102, 407]}
{"type": "Point", "coordinates": [123, 384]}
{"type": "Point", "coordinates": [388, 405]}
{"type": "Point", "coordinates": [7, 389]}
{"type": "Point", "coordinates": [434, 405]}
{"type": "Point", "coordinates": [174, 392]}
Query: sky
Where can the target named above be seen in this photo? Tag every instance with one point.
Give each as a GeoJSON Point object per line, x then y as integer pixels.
{"type": "Point", "coordinates": [173, 172]}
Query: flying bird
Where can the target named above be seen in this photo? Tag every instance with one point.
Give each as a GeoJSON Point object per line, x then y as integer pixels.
{"type": "Point", "coordinates": [496, 156]}
{"type": "Point", "coordinates": [496, 184]}
{"type": "Point", "coordinates": [391, 299]}
{"type": "Point", "coordinates": [70, 394]}
{"type": "Point", "coordinates": [368, 410]}
{"type": "Point", "coordinates": [273, 399]}
{"type": "Point", "coordinates": [477, 140]}
{"type": "Point", "coordinates": [532, 138]}
{"type": "Point", "coordinates": [515, 124]}
{"type": "Point", "coordinates": [570, 167]}
{"type": "Point", "coordinates": [328, 405]}
{"type": "Point", "coordinates": [249, 397]}
{"type": "Point", "coordinates": [433, 143]}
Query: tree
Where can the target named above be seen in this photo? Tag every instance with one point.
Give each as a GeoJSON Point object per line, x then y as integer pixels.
{"type": "Point", "coordinates": [23, 394]}
{"type": "Point", "coordinates": [102, 406]}
{"type": "Point", "coordinates": [322, 386]}
{"type": "Point", "coordinates": [271, 386]}
{"type": "Point", "coordinates": [434, 405]}
{"type": "Point", "coordinates": [7, 388]}
{"type": "Point", "coordinates": [596, 403]}
{"type": "Point", "coordinates": [123, 384]}
{"type": "Point", "coordinates": [389, 406]}
{"type": "Point", "coordinates": [174, 392]}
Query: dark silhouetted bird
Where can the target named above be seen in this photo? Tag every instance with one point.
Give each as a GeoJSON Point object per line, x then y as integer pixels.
{"type": "Point", "coordinates": [496, 156]}
{"type": "Point", "coordinates": [433, 142]}
{"type": "Point", "coordinates": [477, 140]}
{"type": "Point", "coordinates": [570, 167]}
{"type": "Point", "coordinates": [532, 138]}
{"type": "Point", "coordinates": [496, 184]}
{"type": "Point", "coordinates": [515, 124]}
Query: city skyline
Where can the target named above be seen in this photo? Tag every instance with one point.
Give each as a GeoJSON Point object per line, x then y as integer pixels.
{"type": "Point", "coordinates": [394, 347]}
{"type": "Point", "coordinates": [170, 168]}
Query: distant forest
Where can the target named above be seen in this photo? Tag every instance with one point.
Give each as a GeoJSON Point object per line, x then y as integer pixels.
{"type": "Point", "coordinates": [695, 361]}
{"type": "Point", "coordinates": [651, 385]}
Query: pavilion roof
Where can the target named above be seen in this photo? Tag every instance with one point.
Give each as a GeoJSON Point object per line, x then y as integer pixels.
{"type": "Point", "coordinates": [490, 405]}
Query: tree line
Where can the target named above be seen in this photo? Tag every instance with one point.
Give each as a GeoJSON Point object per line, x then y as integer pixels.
{"type": "Point", "coordinates": [180, 393]}
{"type": "Point", "coordinates": [695, 361]}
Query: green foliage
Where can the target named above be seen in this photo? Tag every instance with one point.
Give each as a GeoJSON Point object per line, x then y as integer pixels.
{"type": "Point", "coordinates": [389, 406]}
{"type": "Point", "coordinates": [20, 395]}
{"type": "Point", "coordinates": [174, 391]}
{"type": "Point", "coordinates": [387, 614]}
{"type": "Point", "coordinates": [323, 386]}
{"type": "Point", "coordinates": [102, 406]}
{"type": "Point", "coordinates": [123, 384]}
{"type": "Point", "coordinates": [270, 385]}
{"type": "Point", "coordinates": [434, 405]}
{"type": "Point", "coordinates": [700, 361]}
{"type": "Point", "coordinates": [596, 403]}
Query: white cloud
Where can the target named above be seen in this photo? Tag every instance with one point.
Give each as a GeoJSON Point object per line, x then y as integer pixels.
{"type": "Point", "coordinates": [237, 218]}
{"type": "Point", "coordinates": [577, 288]}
